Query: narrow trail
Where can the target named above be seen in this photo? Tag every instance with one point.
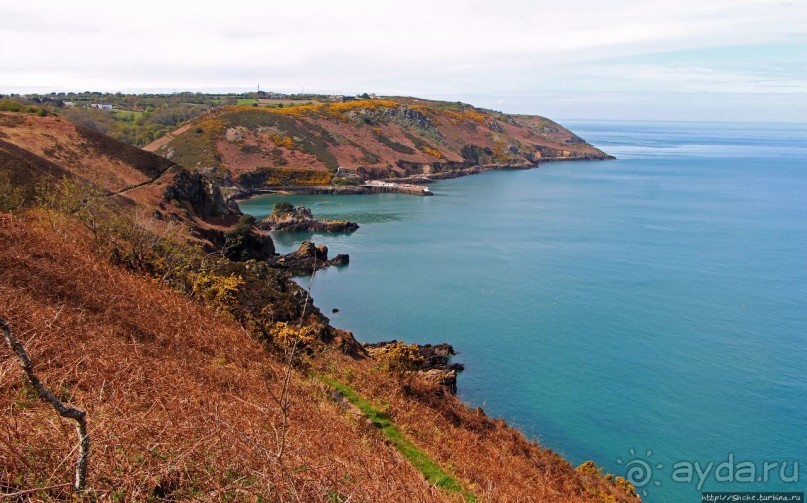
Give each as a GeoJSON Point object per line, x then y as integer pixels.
{"type": "Point", "coordinates": [358, 406]}
{"type": "Point", "coordinates": [138, 185]}
{"type": "Point", "coordinates": [163, 140]}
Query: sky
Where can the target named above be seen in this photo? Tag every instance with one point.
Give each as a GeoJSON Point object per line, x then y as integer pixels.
{"type": "Point", "coordinates": [716, 60]}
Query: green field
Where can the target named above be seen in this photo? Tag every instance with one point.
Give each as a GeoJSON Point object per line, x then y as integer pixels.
{"type": "Point", "coordinates": [275, 102]}
{"type": "Point", "coordinates": [127, 115]}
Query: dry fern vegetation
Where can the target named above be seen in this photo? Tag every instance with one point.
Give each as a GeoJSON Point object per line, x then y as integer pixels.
{"type": "Point", "coordinates": [181, 401]}
{"type": "Point", "coordinates": [210, 378]}
{"type": "Point", "coordinates": [179, 397]}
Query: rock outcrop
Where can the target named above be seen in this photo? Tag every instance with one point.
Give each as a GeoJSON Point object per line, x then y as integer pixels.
{"type": "Point", "coordinates": [434, 364]}
{"type": "Point", "coordinates": [406, 116]}
{"type": "Point", "coordinates": [307, 258]}
{"type": "Point", "coordinates": [301, 219]}
{"type": "Point", "coordinates": [245, 242]}
{"type": "Point", "coordinates": [202, 193]}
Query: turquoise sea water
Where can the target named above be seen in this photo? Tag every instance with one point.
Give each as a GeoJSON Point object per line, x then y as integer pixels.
{"type": "Point", "coordinates": [656, 303]}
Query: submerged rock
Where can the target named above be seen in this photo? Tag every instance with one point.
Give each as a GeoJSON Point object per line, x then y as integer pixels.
{"type": "Point", "coordinates": [341, 259]}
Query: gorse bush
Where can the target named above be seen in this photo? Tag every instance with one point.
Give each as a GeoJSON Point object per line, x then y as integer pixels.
{"type": "Point", "coordinates": [432, 152]}
{"type": "Point", "coordinates": [287, 335]}
{"type": "Point", "coordinates": [400, 357]}
{"type": "Point", "coordinates": [280, 177]}
{"type": "Point", "coordinates": [7, 105]}
{"type": "Point", "coordinates": [215, 288]}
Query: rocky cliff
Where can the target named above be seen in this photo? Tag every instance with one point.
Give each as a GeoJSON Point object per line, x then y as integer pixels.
{"type": "Point", "coordinates": [199, 191]}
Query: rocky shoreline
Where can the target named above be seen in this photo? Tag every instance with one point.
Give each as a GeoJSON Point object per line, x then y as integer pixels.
{"type": "Point", "coordinates": [434, 364]}
{"type": "Point", "coordinates": [405, 185]}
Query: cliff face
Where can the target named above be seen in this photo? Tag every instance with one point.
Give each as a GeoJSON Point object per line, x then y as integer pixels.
{"type": "Point", "coordinates": [357, 140]}
{"type": "Point", "coordinates": [201, 193]}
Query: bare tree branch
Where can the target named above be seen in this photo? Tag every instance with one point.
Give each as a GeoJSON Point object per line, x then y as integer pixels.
{"type": "Point", "coordinates": [285, 400]}
{"type": "Point", "coordinates": [29, 491]}
{"type": "Point", "coordinates": [79, 416]}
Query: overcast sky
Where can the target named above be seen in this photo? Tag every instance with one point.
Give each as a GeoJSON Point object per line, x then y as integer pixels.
{"type": "Point", "coordinates": [573, 59]}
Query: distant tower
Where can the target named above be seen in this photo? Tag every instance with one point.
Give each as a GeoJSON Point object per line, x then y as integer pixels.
{"type": "Point", "coordinates": [259, 88]}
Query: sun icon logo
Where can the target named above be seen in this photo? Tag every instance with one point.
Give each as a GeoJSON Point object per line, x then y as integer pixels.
{"type": "Point", "coordinates": [639, 471]}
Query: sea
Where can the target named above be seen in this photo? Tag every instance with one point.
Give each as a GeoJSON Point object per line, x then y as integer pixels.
{"type": "Point", "coordinates": [648, 313]}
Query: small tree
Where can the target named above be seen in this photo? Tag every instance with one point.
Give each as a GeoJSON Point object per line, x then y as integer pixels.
{"type": "Point", "coordinates": [74, 198]}
{"type": "Point", "coordinates": [282, 207]}
{"type": "Point", "coordinates": [11, 196]}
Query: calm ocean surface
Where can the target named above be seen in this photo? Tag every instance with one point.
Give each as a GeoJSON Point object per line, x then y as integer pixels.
{"type": "Point", "coordinates": [657, 302]}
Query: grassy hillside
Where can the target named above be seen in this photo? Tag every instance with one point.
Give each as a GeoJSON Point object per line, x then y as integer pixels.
{"type": "Point", "coordinates": [37, 150]}
{"type": "Point", "coordinates": [135, 119]}
{"type": "Point", "coordinates": [377, 138]}
{"type": "Point", "coordinates": [76, 150]}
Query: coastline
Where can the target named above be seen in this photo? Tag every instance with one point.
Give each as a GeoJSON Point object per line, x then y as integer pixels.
{"type": "Point", "coordinates": [633, 251]}
{"type": "Point", "coordinates": [405, 185]}
{"type": "Point", "coordinates": [446, 374]}
{"type": "Point", "coordinates": [410, 184]}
